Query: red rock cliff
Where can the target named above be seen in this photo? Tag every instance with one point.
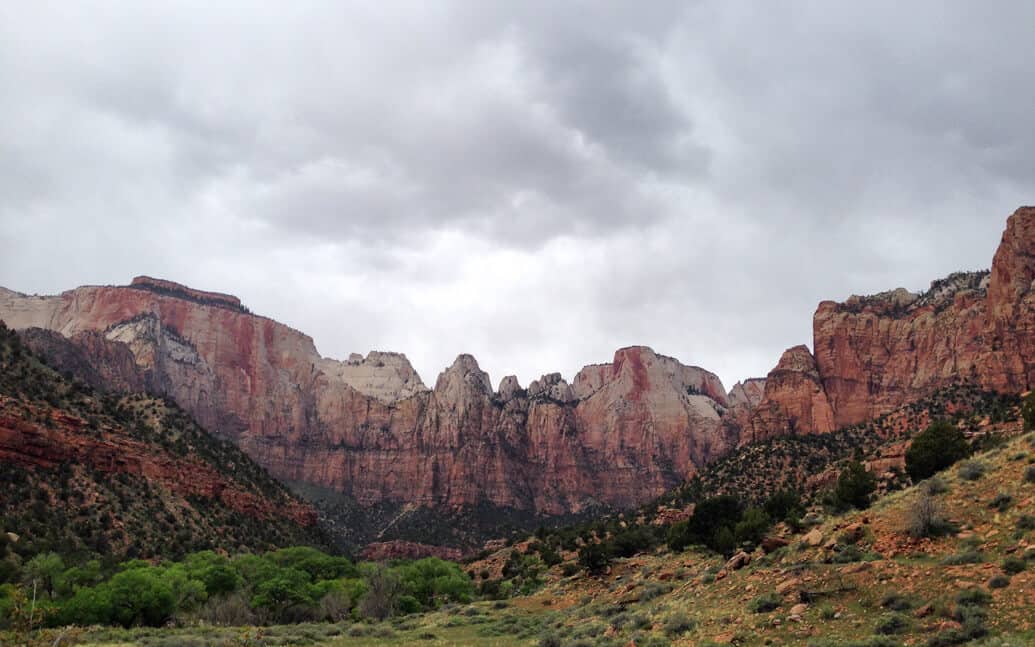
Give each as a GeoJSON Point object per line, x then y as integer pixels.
{"type": "Point", "coordinates": [622, 433]}
{"type": "Point", "coordinates": [876, 353]}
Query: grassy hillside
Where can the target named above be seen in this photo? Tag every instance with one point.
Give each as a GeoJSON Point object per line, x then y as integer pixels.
{"type": "Point", "coordinates": [88, 474]}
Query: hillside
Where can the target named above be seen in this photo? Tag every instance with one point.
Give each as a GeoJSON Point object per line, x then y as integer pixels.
{"type": "Point", "coordinates": [87, 473]}
{"type": "Point", "coordinates": [874, 577]}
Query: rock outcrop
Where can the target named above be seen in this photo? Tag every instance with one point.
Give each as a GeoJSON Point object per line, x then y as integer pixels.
{"type": "Point", "coordinates": [621, 433]}
{"type": "Point", "coordinates": [876, 353]}
{"type": "Point", "coordinates": [794, 400]}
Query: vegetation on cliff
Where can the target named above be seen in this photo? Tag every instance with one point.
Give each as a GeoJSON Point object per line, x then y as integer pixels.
{"type": "Point", "coordinates": [108, 476]}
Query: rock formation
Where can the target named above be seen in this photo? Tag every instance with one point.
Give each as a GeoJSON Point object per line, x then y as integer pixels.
{"type": "Point", "coordinates": [793, 401]}
{"type": "Point", "coordinates": [368, 427]}
{"type": "Point", "coordinates": [875, 353]}
{"type": "Point", "coordinates": [618, 434]}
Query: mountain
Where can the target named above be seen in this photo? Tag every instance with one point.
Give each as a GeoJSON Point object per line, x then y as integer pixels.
{"type": "Point", "coordinates": [365, 435]}
{"type": "Point", "coordinates": [90, 472]}
{"type": "Point", "coordinates": [873, 354]}
{"type": "Point", "coordinates": [388, 458]}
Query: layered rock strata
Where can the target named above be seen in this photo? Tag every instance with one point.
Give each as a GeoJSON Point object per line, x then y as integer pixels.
{"type": "Point", "coordinates": [368, 427]}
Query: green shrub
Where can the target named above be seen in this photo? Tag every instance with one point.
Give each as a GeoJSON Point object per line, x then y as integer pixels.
{"type": "Point", "coordinates": [595, 558]}
{"type": "Point", "coordinates": [999, 582]}
{"type": "Point", "coordinates": [973, 597]}
{"type": "Point", "coordinates": [936, 485]}
{"type": "Point", "coordinates": [1029, 474]}
{"type": "Point", "coordinates": [1014, 565]}
{"type": "Point", "coordinates": [934, 449]}
{"type": "Point", "coordinates": [966, 557]}
{"type": "Point", "coordinates": [1028, 411]}
{"type": "Point", "coordinates": [752, 526]}
{"type": "Point", "coordinates": [891, 623]}
{"type": "Point", "coordinates": [678, 624]}
{"type": "Point", "coordinates": [971, 470]}
{"type": "Point", "coordinates": [1001, 502]}
{"type": "Point", "coordinates": [854, 486]}
{"type": "Point", "coordinates": [896, 602]}
{"type": "Point", "coordinates": [765, 603]}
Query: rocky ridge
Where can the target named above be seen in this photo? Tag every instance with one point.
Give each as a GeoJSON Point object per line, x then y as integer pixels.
{"type": "Point", "coordinates": [618, 434]}
{"type": "Point", "coordinates": [876, 353]}
{"type": "Point", "coordinates": [368, 427]}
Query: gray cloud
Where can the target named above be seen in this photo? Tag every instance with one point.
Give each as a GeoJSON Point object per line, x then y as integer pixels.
{"type": "Point", "coordinates": [536, 183]}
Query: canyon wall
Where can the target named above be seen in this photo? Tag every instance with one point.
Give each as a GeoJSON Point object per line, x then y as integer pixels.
{"type": "Point", "coordinates": [368, 427]}
{"type": "Point", "coordinates": [619, 434]}
{"type": "Point", "coordinates": [875, 353]}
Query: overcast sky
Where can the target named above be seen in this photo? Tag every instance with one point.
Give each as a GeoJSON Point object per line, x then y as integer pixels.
{"type": "Point", "coordinates": [536, 183]}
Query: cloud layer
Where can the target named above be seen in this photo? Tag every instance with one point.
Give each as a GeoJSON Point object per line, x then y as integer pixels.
{"type": "Point", "coordinates": [535, 183]}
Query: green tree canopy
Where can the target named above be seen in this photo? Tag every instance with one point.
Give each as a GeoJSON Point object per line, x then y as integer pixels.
{"type": "Point", "coordinates": [854, 486]}
{"type": "Point", "coordinates": [934, 449]}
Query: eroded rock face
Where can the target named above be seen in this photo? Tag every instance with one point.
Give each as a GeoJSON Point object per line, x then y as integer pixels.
{"type": "Point", "coordinates": [794, 400]}
{"type": "Point", "coordinates": [876, 353]}
{"type": "Point", "coordinates": [389, 377]}
{"type": "Point", "coordinates": [620, 434]}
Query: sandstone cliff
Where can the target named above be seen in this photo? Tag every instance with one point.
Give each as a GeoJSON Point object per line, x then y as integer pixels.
{"type": "Point", "coordinates": [618, 434]}
{"type": "Point", "coordinates": [368, 427]}
{"type": "Point", "coordinates": [875, 353]}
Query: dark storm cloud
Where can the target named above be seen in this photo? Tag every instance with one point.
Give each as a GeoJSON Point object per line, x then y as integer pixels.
{"type": "Point", "coordinates": [537, 183]}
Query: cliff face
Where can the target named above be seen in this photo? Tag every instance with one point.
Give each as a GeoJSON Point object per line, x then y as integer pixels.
{"type": "Point", "coordinates": [873, 354]}
{"type": "Point", "coordinates": [368, 427]}
{"type": "Point", "coordinates": [619, 434]}
{"type": "Point", "coordinates": [794, 400]}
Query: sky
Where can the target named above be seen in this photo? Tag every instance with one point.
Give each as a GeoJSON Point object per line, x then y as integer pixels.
{"type": "Point", "coordinates": [534, 183]}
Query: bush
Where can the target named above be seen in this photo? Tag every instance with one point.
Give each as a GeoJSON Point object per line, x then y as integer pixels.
{"type": "Point", "coordinates": [973, 597]}
{"type": "Point", "coordinates": [891, 623]}
{"type": "Point", "coordinates": [678, 624]}
{"type": "Point", "coordinates": [896, 602]}
{"type": "Point", "coordinates": [854, 487]}
{"type": "Point", "coordinates": [999, 582]}
{"type": "Point", "coordinates": [971, 470]}
{"type": "Point", "coordinates": [1029, 474]}
{"type": "Point", "coordinates": [712, 515]}
{"type": "Point", "coordinates": [752, 526]}
{"type": "Point", "coordinates": [1014, 565]}
{"type": "Point", "coordinates": [595, 558]}
{"type": "Point", "coordinates": [1028, 411]}
{"type": "Point", "coordinates": [936, 485]}
{"type": "Point", "coordinates": [631, 541]}
{"type": "Point", "coordinates": [924, 518]}
{"type": "Point", "coordinates": [765, 603]}
{"type": "Point", "coordinates": [934, 449]}
{"type": "Point", "coordinates": [1001, 502]}
{"type": "Point", "coordinates": [784, 505]}
{"type": "Point", "coordinates": [966, 557]}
